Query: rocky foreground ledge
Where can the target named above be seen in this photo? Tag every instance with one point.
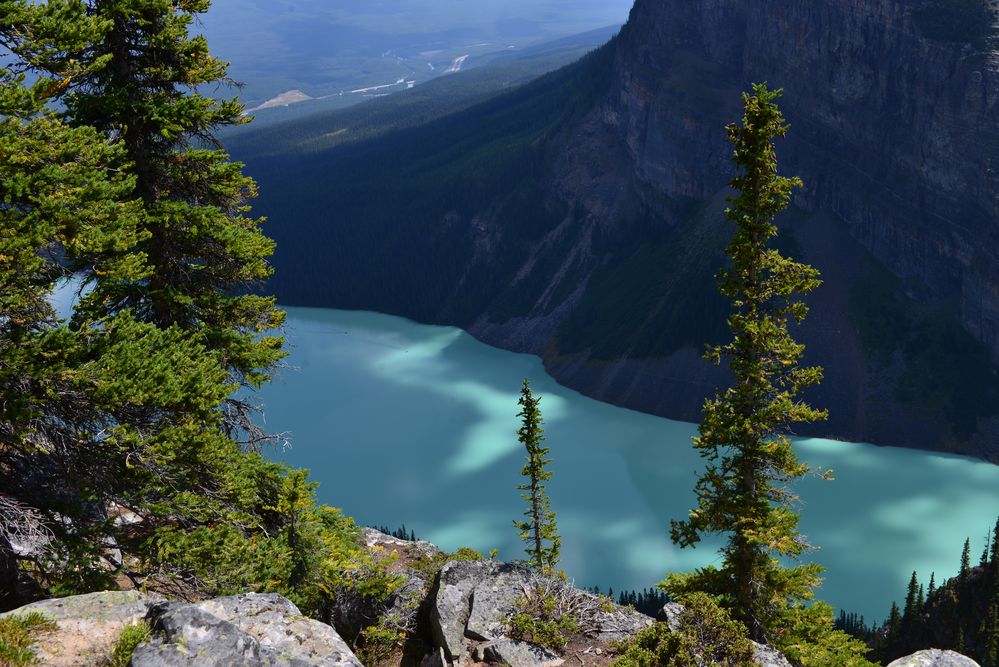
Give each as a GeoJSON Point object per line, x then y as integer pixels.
{"type": "Point", "coordinates": [463, 614]}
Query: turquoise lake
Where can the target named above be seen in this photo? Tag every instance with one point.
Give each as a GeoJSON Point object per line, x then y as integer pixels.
{"type": "Point", "coordinates": [406, 423]}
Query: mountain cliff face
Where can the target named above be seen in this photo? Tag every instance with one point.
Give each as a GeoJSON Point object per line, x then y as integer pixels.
{"type": "Point", "coordinates": [580, 218]}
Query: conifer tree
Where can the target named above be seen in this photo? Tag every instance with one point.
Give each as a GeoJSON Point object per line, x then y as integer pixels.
{"type": "Point", "coordinates": [994, 554]}
{"type": "Point", "coordinates": [539, 531]}
{"type": "Point", "coordinates": [910, 612]}
{"type": "Point", "coordinates": [990, 628]}
{"type": "Point", "coordinates": [130, 404]}
{"type": "Point", "coordinates": [742, 435]}
{"type": "Point", "coordinates": [139, 82]}
{"type": "Point", "coordinates": [931, 589]}
{"type": "Point", "coordinates": [894, 625]}
{"type": "Point", "coordinates": [965, 569]}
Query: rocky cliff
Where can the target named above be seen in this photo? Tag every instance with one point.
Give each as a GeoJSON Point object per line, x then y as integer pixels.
{"type": "Point", "coordinates": [896, 136]}
{"type": "Point", "coordinates": [580, 218]}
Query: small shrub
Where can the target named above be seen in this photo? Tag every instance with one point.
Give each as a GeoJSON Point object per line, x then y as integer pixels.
{"type": "Point", "coordinates": [553, 633]}
{"type": "Point", "coordinates": [552, 611]}
{"type": "Point", "coordinates": [814, 641]}
{"type": "Point", "coordinates": [124, 646]}
{"type": "Point", "coordinates": [466, 553]}
{"type": "Point", "coordinates": [17, 634]}
{"type": "Point", "coordinates": [706, 637]}
{"type": "Point", "coordinates": [429, 566]}
{"type": "Point", "coordinates": [377, 643]}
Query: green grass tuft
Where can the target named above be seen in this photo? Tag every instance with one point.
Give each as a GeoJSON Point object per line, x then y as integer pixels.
{"type": "Point", "coordinates": [124, 646]}
{"type": "Point", "coordinates": [17, 634]}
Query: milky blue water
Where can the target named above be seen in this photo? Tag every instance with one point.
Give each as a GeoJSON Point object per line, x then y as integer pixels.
{"type": "Point", "coordinates": [414, 424]}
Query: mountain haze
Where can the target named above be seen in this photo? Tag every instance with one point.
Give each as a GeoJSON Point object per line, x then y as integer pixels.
{"type": "Point", "coordinates": [580, 216]}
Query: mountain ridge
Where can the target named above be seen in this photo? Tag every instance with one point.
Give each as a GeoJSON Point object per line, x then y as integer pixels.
{"type": "Point", "coordinates": [579, 217]}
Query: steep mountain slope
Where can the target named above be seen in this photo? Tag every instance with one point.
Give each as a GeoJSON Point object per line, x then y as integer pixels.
{"type": "Point", "coordinates": [579, 217]}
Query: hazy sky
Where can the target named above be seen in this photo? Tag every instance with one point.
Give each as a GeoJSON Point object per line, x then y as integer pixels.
{"type": "Point", "coordinates": [321, 45]}
{"type": "Point", "coordinates": [416, 16]}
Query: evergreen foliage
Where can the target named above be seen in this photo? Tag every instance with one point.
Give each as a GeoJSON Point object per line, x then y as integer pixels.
{"type": "Point", "coordinates": [649, 601]}
{"type": "Point", "coordinates": [961, 614]}
{"type": "Point", "coordinates": [121, 430]}
{"type": "Point", "coordinates": [399, 533]}
{"type": "Point", "coordinates": [706, 636]}
{"type": "Point", "coordinates": [539, 531]}
{"type": "Point", "coordinates": [743, 489]}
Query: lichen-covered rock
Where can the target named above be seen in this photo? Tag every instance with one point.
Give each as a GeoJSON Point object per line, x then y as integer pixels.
{"type": "Point", "coordinates": [617, 623]}
{"type": "Point", "coordinates": [278, 624]}
{"type": "Point", "coordinates": [934, 658]}
{"type": "Point", "coordinates": [375, 538]}
{"type": "Point", "coordinates": [670, 615]}
{"type": "Point", "coordinates": [494, 601]}
{"type": "Point", "coordinates": [450, 602]}
{"type": "Point", "coordinates": [86, 625]}
{"type": "Point", "coordinates": [187, 636]}
{"type": "Point", "coordinates": [768, 656]}
{"type": "Point", "coordinates": [519, 654]}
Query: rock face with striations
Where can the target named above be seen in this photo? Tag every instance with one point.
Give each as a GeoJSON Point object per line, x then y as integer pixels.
{"type": "Point", "coordinates": [896, 137]}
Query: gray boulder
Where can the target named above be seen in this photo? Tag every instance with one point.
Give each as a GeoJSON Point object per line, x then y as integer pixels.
{"type": "Point", "coordinates": [277, 624]}
{"type": "Point", "coordinates": [617, 623]}
{"type": "Point", "coordinates": [450, 603]}
{"type": "Point", "coordinates": [934, 657]}
{"type": "Point", "coordinates": [494, 601]}
{"type": "Point", "coordinates": [86, 625]}
{"type": "Point", "coordinates": [768, 656]}
{"type": "Point", "coordinates": [185, 636]}
{"type": "Point", "coordinates": [670, 615]}
{"type": "Point", "coordinates": [518, 654]}
{"type": "Point", "coordinates": [435, 659]}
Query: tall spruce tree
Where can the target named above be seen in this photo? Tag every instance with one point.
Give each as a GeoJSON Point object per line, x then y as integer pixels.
{"type": "Point", "coordinates": [539, 531]}
{"type": "Point", "coordinates": [965, 569]}
{"type": "Point", "coordinates": [88, 412]}
{"type": "Point", "coordinates": [129, 406]}
{"type": "Point", "coordinates": [994, 552]}
{"type": "Point", "coordinates": [56, 193]}
{"type": "Point", "coordinates": [742, 436]}
{"type": "Point", "coordinates": [139, 83]}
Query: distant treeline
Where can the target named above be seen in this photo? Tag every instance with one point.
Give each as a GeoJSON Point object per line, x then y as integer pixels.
{"type": "Point", "coordinates": [961, 614]}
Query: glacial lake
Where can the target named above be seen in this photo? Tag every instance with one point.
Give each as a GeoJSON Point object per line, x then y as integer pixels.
{"type": "Point", "coordinates": [406, 423]}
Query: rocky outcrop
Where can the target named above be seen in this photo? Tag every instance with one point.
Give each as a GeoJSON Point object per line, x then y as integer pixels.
{"type": "Point", "coordinates": [518, 654]}
{"type": "Point", "coordinates": [248, 630]}
{"type": "Point", "coordinates": [454, 612]}
{"type": "Point", "coordinates": [86, 625]}
{"type": "Point", "coordinates": [472, 602]}
{"type": "Point", "coordinates": [267, 630]}
{"type": "Point", "coordinates": [768, 656]}
{"type": "Point", "coordinates": [934, 658]}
